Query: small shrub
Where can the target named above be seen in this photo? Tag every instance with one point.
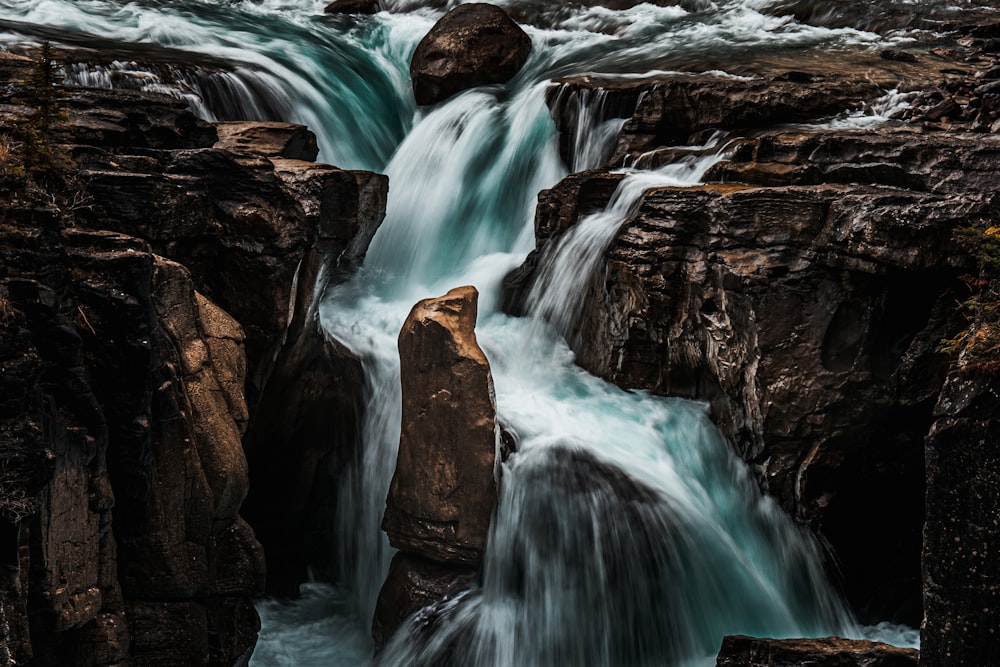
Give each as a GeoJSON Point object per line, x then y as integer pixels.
{"type": "Point", "coordinates": [979, 344]}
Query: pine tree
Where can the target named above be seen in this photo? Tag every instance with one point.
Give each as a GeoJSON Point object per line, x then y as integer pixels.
{"type": "Point", "coordinates": [40, 133]}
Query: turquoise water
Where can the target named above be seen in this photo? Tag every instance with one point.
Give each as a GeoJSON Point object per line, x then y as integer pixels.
{"type": "Point", "coordinates": [628, 533]}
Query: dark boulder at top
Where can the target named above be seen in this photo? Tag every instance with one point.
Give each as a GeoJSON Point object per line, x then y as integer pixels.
{"type": "Point", "coordinates": [472, 45]}
{"type": "Point", "coordinates": [353, 7]}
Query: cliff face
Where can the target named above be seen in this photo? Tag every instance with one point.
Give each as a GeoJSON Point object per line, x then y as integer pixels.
{"type": "Point", "coordinates": [144, 298]}
{"type": "Point", "coordinates": [803, 293]}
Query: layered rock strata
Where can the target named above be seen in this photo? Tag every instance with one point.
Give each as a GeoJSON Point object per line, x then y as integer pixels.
{"type": "Point", "coordinates": [444, 490]}
{"type": "Point", "coordinates": [804, 295]}
{"type": "Point", "coordinates": [126, 386]}
{"type": "Point", "coordinates": [125, 372]}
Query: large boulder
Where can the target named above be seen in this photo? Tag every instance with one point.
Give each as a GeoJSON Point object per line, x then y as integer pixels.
{"type": "Point", "coordinates": [444, 489]}
{"type": "Point", "coordinates": [474, 44]}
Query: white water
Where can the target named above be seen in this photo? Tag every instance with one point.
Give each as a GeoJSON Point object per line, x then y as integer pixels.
{"type": "Point", "coordinates": [628, 533]}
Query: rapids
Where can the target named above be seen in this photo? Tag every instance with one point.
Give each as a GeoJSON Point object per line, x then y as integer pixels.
{"type": "Point", "coordinates": [628, 533]}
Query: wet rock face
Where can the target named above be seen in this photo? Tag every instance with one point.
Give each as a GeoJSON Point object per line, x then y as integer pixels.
{"type": "Point", "coordinates": [804, 295]}
{"type": "Point", "coordinates": [137, 393]}
{"type": "Point", "coordinates": [124, 381]}
{"type": "Point", "coordinates": [960, 568]}
{"type": "Point", "coordinates": [250, 216]}
{"type": "Point", "coordinates": [269, 139]}
{"type": "Point", "coordinates": [727, 294]}
{"type": "Point", "coordinates": [740, 651]}
{"type": "Point", "coordinates": [474, 44]}
{"type": "Point", "coordinates": [444, 491]}
{"type": "Point", "coordinates": [414, 583]}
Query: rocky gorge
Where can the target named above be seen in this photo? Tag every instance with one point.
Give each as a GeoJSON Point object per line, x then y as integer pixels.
{"type": "Point", "coordinates": [166, 357]}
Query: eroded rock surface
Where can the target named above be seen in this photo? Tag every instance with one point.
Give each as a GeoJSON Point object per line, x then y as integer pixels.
{"type": "Point", "coordinates": [474, 44]}
{"type": "Point", "coordinates": [125, 378]}
{"type": "Point", "coordinates": [803, 293]}
{"type": "Point", "coordinates": [740, 651]}
{"type": "Point", "coordinates": [444, 489]}
{"type": "Point", "coordinates": [137, 394]}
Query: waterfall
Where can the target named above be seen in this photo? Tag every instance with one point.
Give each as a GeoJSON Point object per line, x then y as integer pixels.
{"type": "Point", "coordinates": [628, 533]}
{"type": "Point", "coordinates": [556, 296]}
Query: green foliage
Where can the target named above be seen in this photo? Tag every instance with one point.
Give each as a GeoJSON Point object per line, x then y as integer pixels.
{"type": "Point", "coordinates": [979, 344]}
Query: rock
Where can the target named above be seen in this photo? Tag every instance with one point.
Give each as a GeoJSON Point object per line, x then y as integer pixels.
{"type": "Point", "coordinates": [353, 7]}
{"type": "Point", "coordinates": [444, 491]}
{"type": "Point", "coordinates": [307, 429]}
{"type": "Point", "coordinates": [899, 56]}
{"type": "Point", "coordinates": [265, 214]}
{"type": "Point", "coordinates": [124, 381]}
{"type": "Point", "coordinates": [945, 163]}
{"type": "Point", "coordinates": [414, 583]}
{"type": "Point", "coordinates": [284, 140]}
{"type": "Point", "coordinates": [960, 571]}
{"type": "Point", "coordinates": [474, 44]}
{"type": "Point", "coordinates": [668, 110]}
{"type": "Point", "coordinates": [722, 293]}
{"type": "Point", "coordinates": [741, 651]}
{"type": "Point", "coordinates": [136, 381]}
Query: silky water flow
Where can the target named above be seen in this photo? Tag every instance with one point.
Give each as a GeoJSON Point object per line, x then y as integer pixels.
{"type": "Point", "coordinates": [627, 532]}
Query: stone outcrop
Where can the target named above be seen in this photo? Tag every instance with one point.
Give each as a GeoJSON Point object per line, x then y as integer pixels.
{"type": "Point", "coordinates": [444, 489]}
{"type": "Point", "coordinates": [126, 378]}
{"type": "Point", "coordinates": [803, 294]}
{"type": "Point", "coordinates": [685, 108]}
{"type": "Point", "coordinates": [474, 44]}
{"type": "Point", "coordinates": [960, 570]}
{"type": "Point", "coordinates": [125, 387]}
{"type": "Point", "coordinates": [740, 651]}
{"type": "Point", "coordinates": [415, 583]}
{"type": "Point", "coordinates": [252, 217]}
{"type": "Point", "coordinates": [282, 140]}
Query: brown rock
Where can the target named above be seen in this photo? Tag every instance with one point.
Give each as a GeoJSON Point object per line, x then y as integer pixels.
{"type": "Point", "coordinates": [668, 110]}
{"type": "Point", "coordinates": [412, 584]}
{"type": "Point", "coordinates": [741, 651]}
{"type": "Point", "coordinates": [723, 293]}
{"type": "Point", "coordinates": [142, 412]}
{"type": "Point", "coordinates": [474, 44]}
{"type": "Point", "coordinates": [271, 139]}
{"type": "Point", "coordinates": [444, 489]}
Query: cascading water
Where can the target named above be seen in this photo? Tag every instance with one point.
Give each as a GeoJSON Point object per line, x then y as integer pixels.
{"type": "Point", "coordinates": [627, 532]}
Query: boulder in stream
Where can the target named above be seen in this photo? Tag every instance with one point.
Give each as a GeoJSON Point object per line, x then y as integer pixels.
{"type": "Point", "coordinates": [444, 490]}
{"type": "Point", "coordinates": [474, 44]}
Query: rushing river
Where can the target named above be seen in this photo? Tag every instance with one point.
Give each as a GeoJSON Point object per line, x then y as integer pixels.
{"type": "Point", "coordinates": [628, 533]}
